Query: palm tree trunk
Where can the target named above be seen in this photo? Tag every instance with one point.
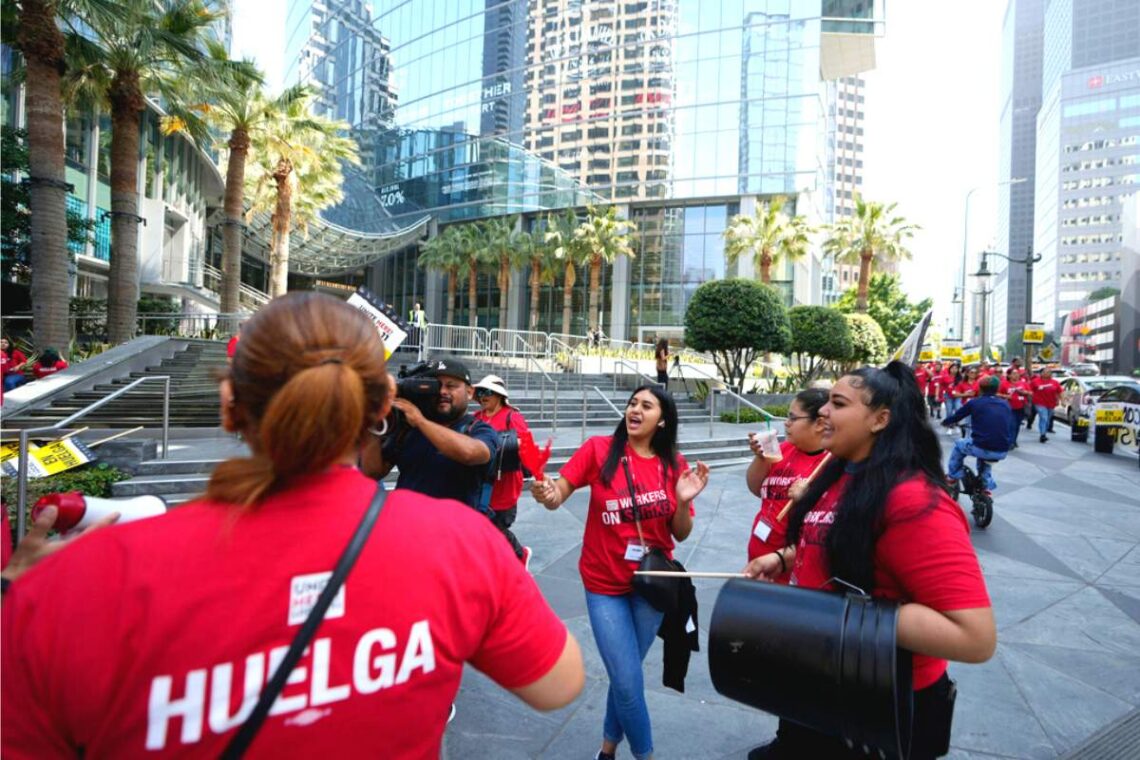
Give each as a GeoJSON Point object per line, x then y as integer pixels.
{"type": "Point", "coordinates": [595, 290]}
{"type": "Point", "coordinates": [41, 43]}
{"type": "Point", "coordinates": [865, 259]}
{"type": "Point", "coordinates": [282, 218]}
{"type": "Point", "coordinates": [765, 267]}
{"type": "Point", "coordinates": [452, 277]}
{"type": "Point", "coordinates": [504, 287]}
{"type": "Point", "coordinates": [472, 306]}
{"type": "Point", "coordinates": [535, 283]}
{"type": "Point", "coordinates": [127, 106]}
{"type": "Point", "coordinates": [567, 298]}
{"type": "Point", "coordinates": [234, 205]}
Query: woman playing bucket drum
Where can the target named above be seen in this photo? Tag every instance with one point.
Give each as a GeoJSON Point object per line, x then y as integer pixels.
{"type": "Point", "coordinates": [770, 478]}
{"type": "Point", "coordinates": [878, 518]}
{"type": "Point", "coordinates": [624, 623]}
{"type": "Point", "coordinates": [157, 636]}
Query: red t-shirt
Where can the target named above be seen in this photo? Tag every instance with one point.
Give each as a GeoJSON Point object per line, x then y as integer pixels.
{"type": "Point", "coordinates": [610, 528]}
{"type": "Point", "coordinates": [41, 370]}
{"type": "Point", "coordinates": [231, 347]}
{"type": "Point", "coordinates": [144, 637]}
{"type": "Point", "coordinates": [922, 377]}
{"type": "Point", "coordinates": [923, 554]}
{"type": "Point", "coordinates": [10, 364]}
{"type": "Point", "coordinates": [1046, 393]}
{"type": "Point", "coordinates": [508, 486]}
{"type": "Point", "coordinates": [966, 390]}
{"type": "Point", "coordinates": [1016, 400]}
{"type": "Point", "coordinates": [768, 532]}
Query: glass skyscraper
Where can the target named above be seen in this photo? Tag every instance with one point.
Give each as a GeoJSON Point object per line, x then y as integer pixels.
{"type": "Point", "coordinates": [681, 112]}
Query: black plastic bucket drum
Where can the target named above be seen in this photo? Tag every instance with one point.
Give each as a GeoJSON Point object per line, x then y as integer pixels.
{"type": "Point", "coordinates": [827, 661]}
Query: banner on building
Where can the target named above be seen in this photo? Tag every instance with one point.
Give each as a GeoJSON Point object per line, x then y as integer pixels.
{"type": "Point", "coordinates": [1034, 334]}
{"type": "Point", "coordinates": [393, 330]}
{"type": "Point", "coordinates": [951, 349]}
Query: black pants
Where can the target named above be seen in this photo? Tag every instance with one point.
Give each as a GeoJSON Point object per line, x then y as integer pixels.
{"type": "Point", "coordinates": [933, 709]}
{"type": "Point", "coordinates": [663, 376]}
{"type": "Point", "coordinates": [503, 520]}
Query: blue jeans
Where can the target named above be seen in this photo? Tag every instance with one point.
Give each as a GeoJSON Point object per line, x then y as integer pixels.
{"type": "Point", "coordinates": [13, 381]}
{"type": "Point", "coordinates": [1044, 417]}
{"type": "Point", "coordinates": [952, 404]}
{"type": "Point", "coordinates": [964, 447]}
{"type": "Point", "coordinates": [624, 628]}
{"type": "Point", "coordinates": [1015, 425]}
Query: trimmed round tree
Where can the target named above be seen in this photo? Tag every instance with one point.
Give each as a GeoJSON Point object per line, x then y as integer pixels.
{"type": "Point", "coordinates": [868, 344]}
{"type": "Point", "coordinates": [735, 321]}
{"type": "Point", "coordinates": [819, 335]}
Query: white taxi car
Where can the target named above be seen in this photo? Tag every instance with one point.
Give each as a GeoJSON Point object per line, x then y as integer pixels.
{"type": "Point", "coordinates": [1114, 419]}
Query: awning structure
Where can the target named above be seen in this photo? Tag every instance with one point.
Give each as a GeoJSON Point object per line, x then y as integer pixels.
{"type": "Point", "coordinates": [327, 249]}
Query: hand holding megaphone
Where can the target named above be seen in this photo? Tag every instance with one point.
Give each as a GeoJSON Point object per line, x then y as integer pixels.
{"type": "Point", "coordinates": [78, 511]}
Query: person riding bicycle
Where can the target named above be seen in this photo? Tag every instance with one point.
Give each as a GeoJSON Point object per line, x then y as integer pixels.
{"type": "Point", "coordinates": [989, 440]}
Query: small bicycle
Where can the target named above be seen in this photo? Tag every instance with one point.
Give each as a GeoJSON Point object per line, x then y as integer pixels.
{"type": "Point", "coordinates": [983, 503]}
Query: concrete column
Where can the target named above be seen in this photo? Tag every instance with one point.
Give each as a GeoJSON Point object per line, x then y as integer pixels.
{"type": "Point", "coordinates": [744, 266]}
{"type": "Point", "coordinates": [618, 326]}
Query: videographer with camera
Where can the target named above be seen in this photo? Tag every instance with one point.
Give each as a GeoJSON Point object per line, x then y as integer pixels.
{"type": "Point", "coordinates": [507, 471]}
{"type": "Point", "coordinates": [441, 450]}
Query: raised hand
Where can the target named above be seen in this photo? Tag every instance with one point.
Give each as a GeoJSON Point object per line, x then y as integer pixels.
{"type": "Point", "coordinates": [692, 482]}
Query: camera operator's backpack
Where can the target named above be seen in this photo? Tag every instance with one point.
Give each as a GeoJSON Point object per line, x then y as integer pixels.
{"type": "Point", "coordinates": [506, 459]}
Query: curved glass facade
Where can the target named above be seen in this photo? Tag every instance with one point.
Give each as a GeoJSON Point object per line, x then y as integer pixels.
{"type": "Point", "coordinates": [474, 108]}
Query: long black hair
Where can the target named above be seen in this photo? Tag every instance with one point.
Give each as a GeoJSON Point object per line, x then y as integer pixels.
{"type": "Point", "coordinates": [663, 443]}
{"type": "Point", "coordinates": [811, 401]}
{"type": "Point", "coordinates": [905, 447]}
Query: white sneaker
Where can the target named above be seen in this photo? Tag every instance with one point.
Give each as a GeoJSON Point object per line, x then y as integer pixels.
{"type": "Point", "coordinates": [527, 554]}
{"type": "Point", "coordinates": [451, 717]}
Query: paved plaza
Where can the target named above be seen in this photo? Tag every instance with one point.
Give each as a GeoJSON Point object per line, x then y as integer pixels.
{"type": "Point", "coordinates": [1063, 567]}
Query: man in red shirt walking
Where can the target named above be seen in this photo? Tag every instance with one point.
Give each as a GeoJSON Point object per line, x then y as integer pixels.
{"type": "Point", "coordinates": [1018, 393]}
{"type": "Point", "coordinates": [491, 392]}
{"type": "Point", "coordinates": [1046, 392]}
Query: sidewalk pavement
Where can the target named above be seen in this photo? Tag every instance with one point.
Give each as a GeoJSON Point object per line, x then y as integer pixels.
{"type": "Point", "coordinates": [1061, 560]}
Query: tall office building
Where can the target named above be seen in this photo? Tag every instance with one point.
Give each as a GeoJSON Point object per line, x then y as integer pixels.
{"type": "Point", "coordinates": [1088, 150]}
{"type": "Point", "coordinates": [846, 109]}
{"type": "Point", "coordinates": [1022, 49]}
{"type": "Point", "coordinates": [523, 107]}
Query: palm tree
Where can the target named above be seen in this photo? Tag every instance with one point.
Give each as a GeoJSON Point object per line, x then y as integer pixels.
{"type": "Point", "coordinates": [296, 172]}
{"type": "Point", "coordinates": [441, 253]}
{"type": "Point", "coordinates": [33, 31]}
{"type": "Point", "coordinates": [130, 48]}
{"type": "Point", "coordinates": [510, 248]}
{"type": "Point", "coordinates": [473, 243]}
{"type": "Point", "coordinates": [602, 239]}
{"type": "Point", "coordinates": [566, 250]}
{"type": "Point", "coordinates": [768, 236]}
{"type": "Point", "coordinates": [543, 271]}
{"type": "Point", "coordinates": [872, 232]}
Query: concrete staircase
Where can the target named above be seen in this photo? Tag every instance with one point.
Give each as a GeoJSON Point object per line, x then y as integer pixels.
{"type": "Point", "coordinates": [180, 480]}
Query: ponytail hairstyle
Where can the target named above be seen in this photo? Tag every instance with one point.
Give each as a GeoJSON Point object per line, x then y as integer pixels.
{"type": "Point", "coordinates": [308, 379]}
{"type": "Point", "coordinates": [905, 447]}
{"type": "Point", "coordinates": [811, 401]}
{"type": "Point", "coordinates": [663, 442]}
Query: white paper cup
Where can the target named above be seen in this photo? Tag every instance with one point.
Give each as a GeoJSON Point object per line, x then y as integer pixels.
{"type": "Point", "coordinates": [770, 445]}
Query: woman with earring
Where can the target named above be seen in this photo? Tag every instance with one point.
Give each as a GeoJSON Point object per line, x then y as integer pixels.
{"type": "Point", "coordinates": [182, 619]}
{"type": "Point", "coordinates": [878, 517]}
{"type": "Point", "coordinates": [641, 451]}
{"type": "Point", "coordinates": [800, 452]}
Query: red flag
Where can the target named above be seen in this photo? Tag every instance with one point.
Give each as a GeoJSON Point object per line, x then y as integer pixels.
{"type": "Point", "coordinates": [529, 454]}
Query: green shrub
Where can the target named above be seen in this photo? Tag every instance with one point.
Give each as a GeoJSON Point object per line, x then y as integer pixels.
{"type": "Point", "coordinates": [91, 479]}
{"type": "Point", "coordinates": [751, 416]}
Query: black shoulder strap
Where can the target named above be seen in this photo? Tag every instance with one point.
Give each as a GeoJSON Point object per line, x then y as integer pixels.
{"type": "Point", "coordinates": [245, 735]}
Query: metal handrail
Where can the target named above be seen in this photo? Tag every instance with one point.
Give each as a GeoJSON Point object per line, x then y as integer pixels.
{"type": "Point", "coordinates": [769, 417]}
{"type": "Point", "coordinates": [586, 406]}
{"type": "Point", "coordinates": [634, 367]}
{"type": "Point", "coordinates": [25, 437]}
{"type": "Point", "coordinates": [546, 378]}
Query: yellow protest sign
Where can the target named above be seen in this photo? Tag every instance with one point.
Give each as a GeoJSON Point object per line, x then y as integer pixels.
{"type": "Point", "coordinates": [926, 354]}
{"type": "Point", "coordinates": [51, 458]}
{"type": "Point", "coordinates": [1033, 334]}
{"type": "Point", "coordinates": [1110, 416]}
{"type": "Point", "coordinates": [971, 355]}
{"type": "Point", "coordinates": [952, 349]}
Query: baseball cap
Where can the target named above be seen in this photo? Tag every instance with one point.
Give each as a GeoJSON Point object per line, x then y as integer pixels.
{"type": "Point", "coordinates": [493, 383]}
{"type": "Point", "coordinates": [449, 367]}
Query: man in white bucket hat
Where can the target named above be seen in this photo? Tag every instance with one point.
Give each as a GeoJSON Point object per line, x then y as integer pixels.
{"type": "Point", "coordinates": [506, 471]}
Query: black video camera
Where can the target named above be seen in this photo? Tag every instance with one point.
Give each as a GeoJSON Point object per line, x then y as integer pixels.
{"type": "Point", "coordinates": [416, 385]}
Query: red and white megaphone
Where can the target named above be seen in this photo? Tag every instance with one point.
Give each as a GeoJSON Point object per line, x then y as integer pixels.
{"type": "Point", "coordinates": [77, 511]}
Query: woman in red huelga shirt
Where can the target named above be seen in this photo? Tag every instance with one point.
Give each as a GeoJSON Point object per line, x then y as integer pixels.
{"type": "Point", "coordinates": [878, 516]}
{"type": "Point", "coordinates": [801, 451]}
{"type": "Point", "coordinates": [1046, 393]}
{"type": "Point", "coordinates": [1018, 392]}
{"type": "Point", "coordinates": [624, 623]}
{"type": "Point", "coordinates": [495, 410]}
{"type": "Point", "coordinates": [48, 364]}
{"type": "Point", "coordinates": [12, 361]}
{"type": "Point", "coordinates": [156, 637]}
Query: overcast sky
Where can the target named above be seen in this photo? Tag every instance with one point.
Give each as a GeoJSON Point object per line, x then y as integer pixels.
{"type": "Point", "coordinates": [931, 123]}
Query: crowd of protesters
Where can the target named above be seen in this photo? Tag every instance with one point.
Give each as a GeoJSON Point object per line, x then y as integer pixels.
{"type": "Point", "coordinates": [857, 495]}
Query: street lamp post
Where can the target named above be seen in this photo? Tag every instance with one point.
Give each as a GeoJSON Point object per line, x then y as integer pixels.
{"type": "Point", "coordinates": [1029, 260]}
{"type": "Point", "coordinates": [965, 247]}
{"type": "Point", "coordinates": [983, 275]}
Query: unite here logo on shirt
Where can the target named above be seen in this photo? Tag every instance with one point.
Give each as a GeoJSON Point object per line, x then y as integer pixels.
{"type": "Point", "coordinates": [375, 666]}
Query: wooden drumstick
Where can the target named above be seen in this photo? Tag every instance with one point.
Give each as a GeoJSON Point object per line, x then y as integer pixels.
{"type": "Point", "coordinates": [687, 574]}
{"type": "Point", "coordinates": [787, 508]}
